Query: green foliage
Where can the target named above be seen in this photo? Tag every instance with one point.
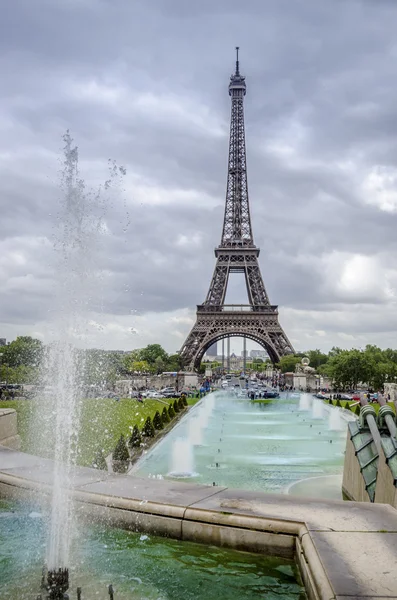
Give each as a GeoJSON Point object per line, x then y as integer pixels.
{"type": "Point", "coordinates": [157, 421]}
{"type": "Point", "coordinates": [24, 351]}
{"type": "Point", "coordinates": [152, 359]}
{"type": "Point", "coordinates": [148, 429]}
{"type": "Point", "coordinates": [22, 374]}
{"type": "Point", "coordinates": [176, 407]}
{"type": "Point", "coordinates": [152, 352]}
{"type": "Point", "coordinates": [357, 410]}
{"type": "Point", "coordinates": [135, 440]}
{"type": "Point", "coordinates": [171, 411]}
{"type": "Point", "coordinates": [121, 451]}
{"type": "Point", "coordinates": [100, 367]}
{"type": "Point", "coordinates": [317, 358]}
{"type": "Point", "coordinates": [287, 363]}
{"type": "Point", "coordinates": [99, 461]}
{"type": "Point", "coordinates": [181, 404]}
{"type": "Point", "coordinates": [184, 400]}
{"type": "Point", "coordinates": [165, 416]}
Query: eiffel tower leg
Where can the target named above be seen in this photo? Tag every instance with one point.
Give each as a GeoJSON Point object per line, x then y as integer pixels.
{"type": "Point", "coordinates": [260, 326]}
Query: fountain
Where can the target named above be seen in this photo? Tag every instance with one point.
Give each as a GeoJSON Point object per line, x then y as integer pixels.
{"type": "Point", "coordinates": [317, 409]}
{"type": "Point", "coordinates": [182, 459]}
{"type": "Point", "coordinates": [195, 433]}
{"type": "Point", "coordinates": [335, 420]}
{"type": "Point", "coordinates": [304, 402]}
{"type": "Point", "coordinates": [56, 422]}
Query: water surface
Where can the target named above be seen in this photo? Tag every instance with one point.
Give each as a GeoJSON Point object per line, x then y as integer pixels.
{"type": "Point", "coordinates": [140, 567]}
{"type": "Point", "coordinates": [242, 444]}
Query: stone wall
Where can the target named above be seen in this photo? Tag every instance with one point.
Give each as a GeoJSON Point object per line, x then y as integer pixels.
{"type": "Point", "coordinates": [8, 428]}
{"type": "Point", "coordinates": [353, 485]}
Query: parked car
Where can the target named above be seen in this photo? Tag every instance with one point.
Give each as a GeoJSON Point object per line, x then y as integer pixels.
{"type": "Point", "coordinates": [170, 394]}
{"type": "Point", "coordinates": [268, 394]}
{"type": "Point", "coordinates": [149, 393]}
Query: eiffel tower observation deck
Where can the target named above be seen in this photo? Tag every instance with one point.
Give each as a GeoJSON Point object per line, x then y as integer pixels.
{"type": "Point", "coordinates": [237, 253]}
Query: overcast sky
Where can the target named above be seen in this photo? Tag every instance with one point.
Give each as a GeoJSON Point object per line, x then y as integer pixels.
{"type": "Point", "coordinates": [145, 83]}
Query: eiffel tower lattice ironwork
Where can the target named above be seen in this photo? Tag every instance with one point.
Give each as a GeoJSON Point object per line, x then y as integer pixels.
{"type": "Point", "coordinates": [236, 253]}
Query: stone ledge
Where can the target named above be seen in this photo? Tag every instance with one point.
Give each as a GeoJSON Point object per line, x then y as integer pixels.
{"type": "Point", "coordinates": [327, 538]}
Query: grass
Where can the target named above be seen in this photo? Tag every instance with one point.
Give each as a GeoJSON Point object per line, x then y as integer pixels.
{"type": "Point", "coordinates": [343, 404]}
{"type": "Point", "coordinates": [192, 401]}
{"type": "Point", "coordinates": [101, 424]}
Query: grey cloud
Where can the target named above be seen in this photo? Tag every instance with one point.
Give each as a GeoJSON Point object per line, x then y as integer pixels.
{"type": "Point", "coordinates": [326, 68]}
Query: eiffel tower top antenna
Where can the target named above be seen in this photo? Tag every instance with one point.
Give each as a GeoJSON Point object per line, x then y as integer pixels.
{"type": "Point", "coordinates": [237, 61]}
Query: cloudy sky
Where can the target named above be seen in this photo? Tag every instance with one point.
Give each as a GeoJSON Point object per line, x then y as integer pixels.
{"type": "Point", "coordinates": [145, 83]}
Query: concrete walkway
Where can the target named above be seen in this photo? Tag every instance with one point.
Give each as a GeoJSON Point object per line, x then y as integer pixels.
{"type": "Point", "coordinates": [345, 550]}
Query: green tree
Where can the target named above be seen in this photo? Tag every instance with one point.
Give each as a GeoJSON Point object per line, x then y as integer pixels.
{"type": "Point", "coordinates": [173, 363]}
{"type": "Point", "coordinates": [171, 412]}
{"type": "Point", "coordinates": [148, 429]}
{"type": "Point", "coordinates": [159, 365]}
{"type": "Point", "coordinates": [120, 456]}
{"type": "Point", "coordinates": [157, 421]}
{"type": "Point", "coordinates": [165, 416]}
{"type": "Point", "coordinates": [287, 363]}
{"type": "Point", "coordinates": [350, 367]}
{"type": "Point", "coordinates": [152, 352]}
{"type": "Point", "coordinates": [135, 440]}
{"type": "Point", "coordinates": [317, 358]}
{"type": "Point", "coordinates": [99, 461]}
{"type": "Point", "coordinates": [141, 366]}
{"type": "Point", "coordinates": [24, 351]}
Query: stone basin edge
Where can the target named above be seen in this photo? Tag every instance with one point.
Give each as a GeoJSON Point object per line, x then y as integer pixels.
{"type": "Point", "coordinates": [270, 536]}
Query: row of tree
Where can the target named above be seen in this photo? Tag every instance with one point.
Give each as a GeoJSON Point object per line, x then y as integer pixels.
{"type": "Point", "coordinates": [21, 359]}
{"type": "Point", "coordinates": [124, 448]}
{"type": "Point", "coordinates": [20, 363]}
{"type": "Point", "coordinates": [347, 368]}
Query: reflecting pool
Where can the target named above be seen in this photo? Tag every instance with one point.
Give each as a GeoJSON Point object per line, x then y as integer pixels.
{"type": "Point", "coordinates": [267, 446]}
{"type": "Point", "coordinates": [139, 566]}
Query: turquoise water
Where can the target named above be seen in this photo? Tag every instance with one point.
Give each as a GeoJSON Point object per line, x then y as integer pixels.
{"type": "Point", "coordinates": [256, 446]}
{"type": "Point", "coordinates": [140, 567]}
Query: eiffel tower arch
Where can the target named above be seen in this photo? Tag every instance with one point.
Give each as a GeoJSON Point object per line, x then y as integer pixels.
{"type": "Point", "coordinates": [237, 253]}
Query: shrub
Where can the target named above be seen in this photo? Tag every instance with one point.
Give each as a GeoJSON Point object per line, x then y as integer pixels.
{"type": "Point", "coordinates": [171, 412]}
{"type": "Point", "coordinates": [165, 416]}
{"type": "Point", "coordinates": [176, 407]}
{"type": "Point", "coordinates": [148, 429]}
{"type": "Point", "coordinates": [135, 440]}
{"type": "Point", "coordinates": [347, 406]}
{"type": "Point", "coordinates": [120, 456]}
{"type": "Point", "coordinates": [181, 406]}
{"type": "Point", "coordinates": [338, 403]}
{"type": "Point", "coordinates": [99, 461]}
{"type": "Point", "coordinates": [157, 421]}
{"type": "Point", "coordinates": [357, 410]}
{"type": "Point", "coordinates": [184, 400]}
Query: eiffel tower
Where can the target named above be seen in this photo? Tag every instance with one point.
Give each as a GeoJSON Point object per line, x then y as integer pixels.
{"type": "Point", "coordinates": [236, 253]}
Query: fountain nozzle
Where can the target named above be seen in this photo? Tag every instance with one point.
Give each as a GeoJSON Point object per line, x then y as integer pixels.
{"type": "Point", "coordinates": [56, 583]}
